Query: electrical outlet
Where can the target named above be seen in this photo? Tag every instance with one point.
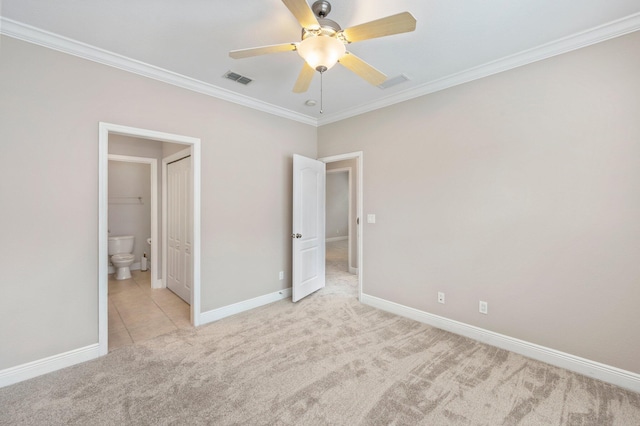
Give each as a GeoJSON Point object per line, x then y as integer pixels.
{"type": "Point", "coordinates": [281, 275]}
{"type": "Point", "coordinates": [484, 307]}
{"type": "Point", "coordinates": [440, 297]}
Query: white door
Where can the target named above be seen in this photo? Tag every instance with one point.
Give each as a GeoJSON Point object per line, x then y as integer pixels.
{"type": "Point", "coordinates": [308, 226]}
{"type": "Point", "coordinates": [179, 228]}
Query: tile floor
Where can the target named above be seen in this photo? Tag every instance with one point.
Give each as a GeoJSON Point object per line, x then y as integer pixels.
{"type": "Point", "coordinates": [137, 312]}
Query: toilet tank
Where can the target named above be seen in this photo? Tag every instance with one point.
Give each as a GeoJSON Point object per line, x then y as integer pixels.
{"type": "Point", "coordinates": [121, 244]}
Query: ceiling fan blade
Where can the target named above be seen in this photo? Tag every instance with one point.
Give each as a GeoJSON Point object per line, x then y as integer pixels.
{"type": "Point", "coordinates": [255, 51]}
{"type": "Point", "coordinates": [395, 24]}
{"type": "Point", "coordinates": [304, 79]}
{"type": "Point", "coordinates": [303, 13]}
{"type": "Point", "coordinates": [362, 69]}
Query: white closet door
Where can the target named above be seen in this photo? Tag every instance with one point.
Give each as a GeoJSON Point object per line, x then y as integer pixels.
{"type": "Point", "coordinates": [179, 228]}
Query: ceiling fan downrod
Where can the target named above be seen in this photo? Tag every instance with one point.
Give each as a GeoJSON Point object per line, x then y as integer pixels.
{"type": "Point", "coordinates": [321, 8]}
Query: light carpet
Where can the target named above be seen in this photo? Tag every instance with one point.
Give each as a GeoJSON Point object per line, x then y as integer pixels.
{"type": "Point", "coordinates": [326, 360]}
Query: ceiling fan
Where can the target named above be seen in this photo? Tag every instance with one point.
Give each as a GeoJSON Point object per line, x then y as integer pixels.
{"type": "Point", "coordinates": [323, 42]}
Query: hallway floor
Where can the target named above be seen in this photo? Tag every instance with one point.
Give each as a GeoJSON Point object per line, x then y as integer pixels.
{"type": "Point", "coordinates": [137, 312]}
{"type": "Point", "coordinates": [338, 277]}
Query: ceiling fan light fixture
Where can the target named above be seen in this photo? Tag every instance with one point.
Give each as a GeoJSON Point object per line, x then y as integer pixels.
{"type": "Point", "coordinates": [321, 52]}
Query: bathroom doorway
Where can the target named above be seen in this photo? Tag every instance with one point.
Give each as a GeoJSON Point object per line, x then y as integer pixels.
{"type": "Point", "coordinates": [138, 307]}
{"type": "Point", "coordinates": [109, 133]}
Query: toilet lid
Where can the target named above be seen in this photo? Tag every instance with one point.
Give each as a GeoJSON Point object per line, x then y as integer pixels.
{"type": "Point", "coordinates": [122, 257]}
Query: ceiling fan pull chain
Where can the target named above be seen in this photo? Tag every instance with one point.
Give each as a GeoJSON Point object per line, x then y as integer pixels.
{"type": "Point", "coordinates": [321, 91]}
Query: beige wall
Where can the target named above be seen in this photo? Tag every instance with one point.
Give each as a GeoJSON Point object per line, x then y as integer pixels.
{"type": "Point", "coordinates": [522, 190]}
{"type": "Point", "coordinates": [50, 107]}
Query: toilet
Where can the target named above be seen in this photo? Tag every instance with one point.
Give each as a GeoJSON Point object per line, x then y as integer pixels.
{"type": "Point", "coordinates": [120, 250]}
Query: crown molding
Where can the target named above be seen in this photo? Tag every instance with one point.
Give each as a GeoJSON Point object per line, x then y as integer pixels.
{"type": "Point", "coordinates": [576, 41]}
{"type": "Point", "coordinates": [34, 35]}
{"type": "Point", "coordinates": [582, 39]}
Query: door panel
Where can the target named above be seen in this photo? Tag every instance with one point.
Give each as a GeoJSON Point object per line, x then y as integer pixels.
{"type": "Point", "coordinates": [308, 226]}
{"type": "Point", "coordinates": [179, 228]}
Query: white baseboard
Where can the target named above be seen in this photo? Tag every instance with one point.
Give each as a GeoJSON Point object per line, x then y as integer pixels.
{"type": "Point", "coordinates": [596, 370]}
{"type": "Point", "coordinates": [331, 239]}
{"type": "Point", "coordinates": [32, 369]}
{"type": "Point", "coordinates": [353, 270]}
{"type": "Point", "coordinates": [236, 308]}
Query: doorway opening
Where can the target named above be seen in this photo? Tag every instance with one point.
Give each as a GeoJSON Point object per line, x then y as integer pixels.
{"type": "Point", "coordinates": [107, 130]}
{"type": "Point", "coordinates": [340, 213]}
{"type": "Point", "coordinates": [126, 199]}
{"type": "Point", "coordinates": [350, 164]}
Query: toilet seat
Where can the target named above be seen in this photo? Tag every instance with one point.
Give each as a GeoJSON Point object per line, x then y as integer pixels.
{"type": "Point", "coordinates": [122, 257]}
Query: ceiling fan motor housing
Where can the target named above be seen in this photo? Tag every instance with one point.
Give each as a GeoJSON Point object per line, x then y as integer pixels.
{"type": "Point", "coordinates": [328, 28]}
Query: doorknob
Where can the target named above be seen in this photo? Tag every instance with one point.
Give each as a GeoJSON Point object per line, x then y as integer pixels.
{"type": "Point", "coordinates": [296, 236]}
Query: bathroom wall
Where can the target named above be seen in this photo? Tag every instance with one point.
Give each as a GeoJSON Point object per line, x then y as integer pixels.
{"type": "Point", "coordinates": [337, 205]}
{"type": "Point", "coordinates": [127, 214]}
{"type": "Point", "coordinates": [137, 147]}
{"type": "Point", "coordinates": [172, 148]}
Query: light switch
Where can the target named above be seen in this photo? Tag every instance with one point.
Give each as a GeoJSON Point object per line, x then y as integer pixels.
{"type": "Point", "coordinates": [371, 218]}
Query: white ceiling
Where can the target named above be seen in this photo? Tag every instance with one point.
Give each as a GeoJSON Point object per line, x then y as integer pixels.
{"type": "Point", "coordinates": [455, 41]}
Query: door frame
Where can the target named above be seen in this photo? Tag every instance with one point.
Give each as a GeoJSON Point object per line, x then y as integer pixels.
{"type": "Point", "coordinates": [104, 130]}
{"type": "Point", "coordinates": [153, 163]}
{"type": "Point", "coordinates": [165, 207]}
{"type": "Point", "coordinates": [359, 156]}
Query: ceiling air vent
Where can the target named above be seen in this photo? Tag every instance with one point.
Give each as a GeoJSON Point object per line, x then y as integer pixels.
{"type": "Point", "coordinates": [393, 81]}
{"type": "Point", "coordinates": [237, 78]}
